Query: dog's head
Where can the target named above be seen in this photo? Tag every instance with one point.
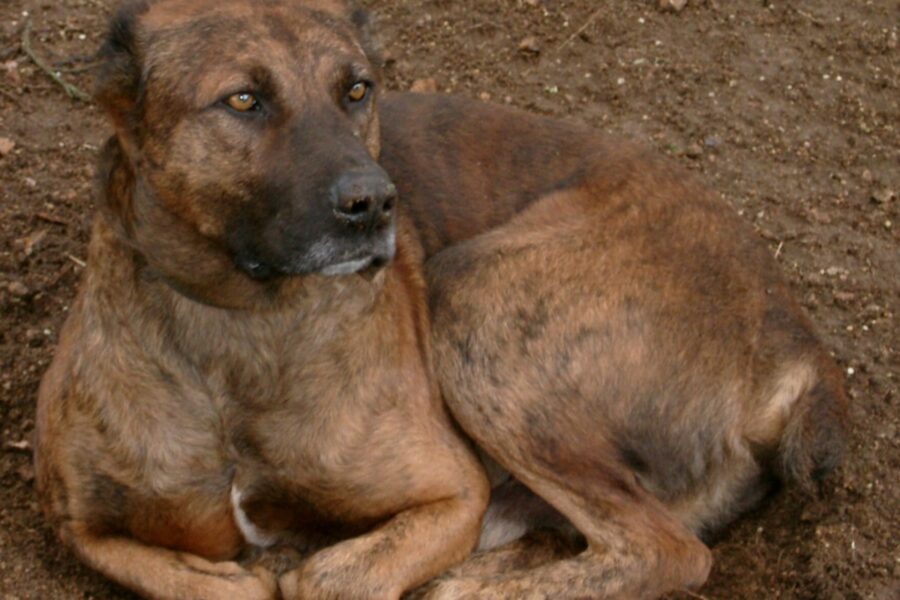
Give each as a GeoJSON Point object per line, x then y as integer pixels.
{"type": "Point", "coordinates": [247, 136]}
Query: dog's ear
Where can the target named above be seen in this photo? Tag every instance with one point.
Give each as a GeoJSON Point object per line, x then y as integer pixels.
{"type": "Point", "coordinates": [118, 87]}
{"type": "Point", "coordinates": [338, 8]}
{"type": "Point", "coordinates": [362, 20]}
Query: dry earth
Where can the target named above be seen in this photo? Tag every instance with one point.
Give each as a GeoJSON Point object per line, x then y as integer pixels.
{"type": "Point", "coordinates": [789, 109]}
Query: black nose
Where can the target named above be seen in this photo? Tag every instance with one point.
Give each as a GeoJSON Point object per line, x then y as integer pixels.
{"type": "Point", "coordinates": [364, 198]}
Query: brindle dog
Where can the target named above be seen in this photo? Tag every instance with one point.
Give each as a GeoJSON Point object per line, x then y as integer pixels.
{"type": "Point", "coordinates": [249, 361]}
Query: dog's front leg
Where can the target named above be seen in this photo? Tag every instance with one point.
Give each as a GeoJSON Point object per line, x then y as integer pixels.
{"type": "Point", "coordinates": [406, 551]}
{"type": "Point", "coordinates": [161, 574]}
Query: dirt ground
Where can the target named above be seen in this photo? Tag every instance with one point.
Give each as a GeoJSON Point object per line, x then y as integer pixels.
{"type": "Point", "coordinates": [791, 113]}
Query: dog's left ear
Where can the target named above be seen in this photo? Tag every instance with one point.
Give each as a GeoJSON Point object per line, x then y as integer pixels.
{"type": "Point", "coordinates": [118, 87]}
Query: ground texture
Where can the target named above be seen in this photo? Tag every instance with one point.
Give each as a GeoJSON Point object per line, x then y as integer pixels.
{"type": "Point", "coordinates": [789, 109]}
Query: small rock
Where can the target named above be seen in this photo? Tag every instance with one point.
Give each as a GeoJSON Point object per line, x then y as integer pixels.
{"type": "Point", "coordinates": [819, 216]}
{"type": "Point", "coordinates": [17, 288]}
{"type": "Point", "coordinates": [694, 151]}
{"type": "Point", "coordinates": [31, 182]}
{"type": "Point", "coordinates": [836, 271]}
{"type": "Point", "coordinates": [34, 338]}
{"type": "Point", "coordinates": [883, 196]}
{"type": "Point", "coordinates": [867, 176]}
{"type": "Point", "coordinates": [529, 45]}
{"type": "Point", "coordinates": [844, 298]}
{"type": "Point", "coordinates": [673, 5]}
{"type": "Point", "coordinates": [712, 142]}
{"type": "Point", "coordinates": [872, 310]}
{"type": "Point", "coordinates": [484, 97]}
{"type": "Point", "coordinates": [26, 473]}
{"type": "Point", "coordinates": [6, 146]}
{"type": "Point", "coordinates": [815, 279]}
{"type": "Point", "coordinates": [425, 86]}
{"type": "Point", "coordinates": [12, 72]}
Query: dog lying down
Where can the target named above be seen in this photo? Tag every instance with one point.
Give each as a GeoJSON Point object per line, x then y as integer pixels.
{"type": "Point", "coordinates": [318, 315]}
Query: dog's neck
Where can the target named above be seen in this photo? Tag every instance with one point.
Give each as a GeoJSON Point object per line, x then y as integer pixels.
{"type": "Point", "coordinates": [123, 295]}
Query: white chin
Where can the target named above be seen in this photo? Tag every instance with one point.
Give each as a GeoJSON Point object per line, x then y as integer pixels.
{"type": "Point", "coordinates": [346, 268]}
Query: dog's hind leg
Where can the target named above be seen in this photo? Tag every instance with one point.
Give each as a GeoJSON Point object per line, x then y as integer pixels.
{"type": "Point", "coordinates": [636, 549]}
{"type": "Point", "coordinates": [162, 574]}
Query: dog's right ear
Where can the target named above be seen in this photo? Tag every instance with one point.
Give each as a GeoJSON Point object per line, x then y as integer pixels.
{"type": "Point", "coordinates": [118, 89]}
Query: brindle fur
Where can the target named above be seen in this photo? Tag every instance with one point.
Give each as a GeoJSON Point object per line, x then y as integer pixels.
{"type": "Point", "coordinates": [603, 329]}
{"type": "Point", "coordinates": [613, 336]}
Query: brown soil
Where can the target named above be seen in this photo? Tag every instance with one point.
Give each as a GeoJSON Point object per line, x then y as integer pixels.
{"type": "Point", "coordinates": [792, 114]}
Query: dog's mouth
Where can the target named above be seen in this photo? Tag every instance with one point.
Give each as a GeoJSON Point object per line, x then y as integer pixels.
{"type": "Point", "coordinates": [328, 257]}
{"type": "Point", "coordinates": [354, 266]}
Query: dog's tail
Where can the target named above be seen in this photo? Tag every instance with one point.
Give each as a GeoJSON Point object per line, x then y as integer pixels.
{"type": "Point", "coordinates": [815, 435]}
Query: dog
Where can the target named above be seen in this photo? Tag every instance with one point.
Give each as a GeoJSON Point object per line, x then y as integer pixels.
{"type": "Point", "coordinates": [389, 328]}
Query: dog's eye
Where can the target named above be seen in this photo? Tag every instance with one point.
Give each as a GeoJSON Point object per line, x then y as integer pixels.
{"type": "Point", "coordinates": [242, 102]}
{"type": "Point", "coordinates": [358, 92]}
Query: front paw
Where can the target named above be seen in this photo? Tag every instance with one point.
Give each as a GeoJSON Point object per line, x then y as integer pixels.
{"type": "Point", "coordinates": [228, 580]}
{"type": "Point", "coordinates": [310, 583]}
{"type": "Point", "coordinates": [454, 589]}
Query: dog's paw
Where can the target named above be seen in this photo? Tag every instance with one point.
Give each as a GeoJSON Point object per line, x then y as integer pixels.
{"type": "Point", "coordinates": [454, 589]}
{"type": "Point", "coordinates": [229, 580]}
{"type": "Point", "coordinates": [330, 584]}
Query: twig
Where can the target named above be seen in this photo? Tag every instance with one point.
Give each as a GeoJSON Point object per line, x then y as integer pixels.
{"type": "Point", "coordinates": [70, 89]}
{"type": "Point", "coordinates": [81, 68]}
{"type": "Point", "coordinates": [778, 251]}
{"type": "Point", "coordinates": [51, 219]}
{"type": "Point", "coordinates": [581, 29]}
{"type": "Point", "coordinates": [76, 260]}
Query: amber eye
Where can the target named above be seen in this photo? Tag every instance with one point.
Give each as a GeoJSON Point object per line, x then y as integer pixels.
{"type": "Point", "coordinates": [243, 102]}
{"type": "Point", "coordinates": [358, 92]}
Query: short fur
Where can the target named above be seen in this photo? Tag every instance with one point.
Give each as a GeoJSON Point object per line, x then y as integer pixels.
{"type": "Point", "coordinates": [615, 341]}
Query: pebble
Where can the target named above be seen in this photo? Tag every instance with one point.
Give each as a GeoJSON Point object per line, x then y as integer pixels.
{"type": "Point", "coordinates": [12, 72]}
{"type": "Point", "coordinates": [34, 337]}
{"type": "Point", "coordinates": [17, 288]}
{"type": "Point", "coordinates": [694, 151]}
{"type": "Point", "coordinates": [426, 86]}
{"type": "Point", "coordinates": [26, 473]}
{"type": "Point", "coordinates": [529, 45]}
{"type": "Point", "coordinates": [6, 146]}
{"type": "Point", "coordinates": [883, 196]}
{"type": "Point", "coordinates": [673, 5]}
{"type": "Point", "coordinates": [844, 298]}
{"type": "Point", "coordinates": [820, 216]}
